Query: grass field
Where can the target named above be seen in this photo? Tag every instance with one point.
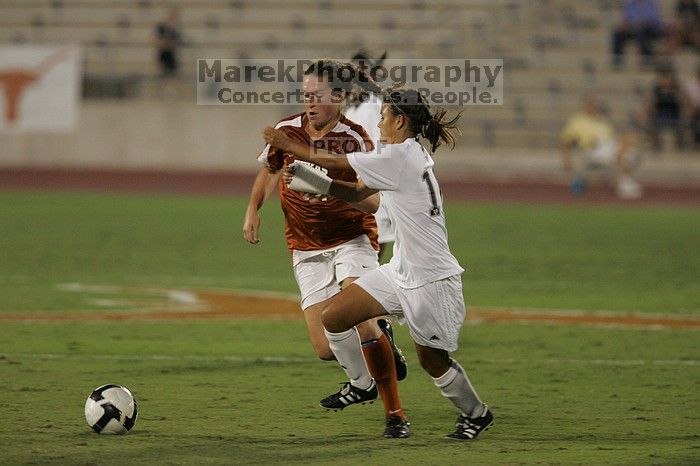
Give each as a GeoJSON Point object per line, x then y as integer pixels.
{"type": "Point", "coordinates": [245, 391]}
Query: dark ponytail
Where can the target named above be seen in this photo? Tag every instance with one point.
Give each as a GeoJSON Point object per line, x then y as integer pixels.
{"type": "Point", "coordinates": [434, 127]}
{"type": "Point", "coordinates": [438, 129]}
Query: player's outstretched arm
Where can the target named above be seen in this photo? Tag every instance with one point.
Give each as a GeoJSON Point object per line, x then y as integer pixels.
{"type": "Point", "coordinates": [321, 157]}
{"type": "Point", "coordinates": [263, 186]}
{"type": "Point", "coordinates": [369, 204]}
{"type": "Point", "coordinates": [358, 194]}
{"type": "Point", "coordinates": [302, 177]}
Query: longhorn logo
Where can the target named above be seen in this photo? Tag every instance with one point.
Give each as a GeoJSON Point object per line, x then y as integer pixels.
{"type": "Point", "coordinates": [15, 81]}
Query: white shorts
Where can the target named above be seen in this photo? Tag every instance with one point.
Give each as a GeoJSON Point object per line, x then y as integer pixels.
{"type": "Point", "coordinates": [319, 276]}
{"type": "Point", "coordinates": [384, 225]}
{"type": "Point", "coordinates": [434, 312]}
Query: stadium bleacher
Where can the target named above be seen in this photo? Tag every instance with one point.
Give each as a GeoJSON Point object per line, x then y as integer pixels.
{"type": "Point", "coordinates": [554, 50]}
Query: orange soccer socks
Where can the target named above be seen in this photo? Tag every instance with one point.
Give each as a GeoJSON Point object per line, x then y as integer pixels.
{"type": "Point", "coordinates": [380, 362]}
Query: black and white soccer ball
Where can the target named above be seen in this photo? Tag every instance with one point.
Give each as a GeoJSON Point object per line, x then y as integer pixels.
{"type": "Point", "coordinates": [111, 409]}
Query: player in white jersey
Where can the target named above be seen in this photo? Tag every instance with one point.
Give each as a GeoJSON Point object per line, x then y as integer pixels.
{"type": "Point", "coordinates": [421, 285]}
{"type": "Point", "coordinates": [366, 111]}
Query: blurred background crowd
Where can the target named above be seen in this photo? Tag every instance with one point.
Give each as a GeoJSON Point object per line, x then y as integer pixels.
{"type": "Point", "coordinates": [601, 89]}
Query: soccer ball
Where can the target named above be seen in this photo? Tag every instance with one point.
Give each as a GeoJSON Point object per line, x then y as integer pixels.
{"type": "Point", "coordinates": [111, 409]}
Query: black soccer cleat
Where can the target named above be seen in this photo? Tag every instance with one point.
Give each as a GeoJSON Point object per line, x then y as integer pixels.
{"type": "Point", "coordinates": [349, 395]}
{"type": "Point", "coordinates": [469, 428]}
{"type": "Point", "coordinates": [397, 427]}
{"type": "Point", "coordinates": [400, 361]}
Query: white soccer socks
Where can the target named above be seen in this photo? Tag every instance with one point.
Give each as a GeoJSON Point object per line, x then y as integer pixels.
{"type": "Point", "coordinates": [348, 351]}
{"type": "Point", "coordinates": [456, 387]}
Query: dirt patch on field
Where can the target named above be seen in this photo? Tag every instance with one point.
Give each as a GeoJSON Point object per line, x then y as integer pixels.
{"type": "Point", "coordinates": [179, 305]}
{"type": "Point", "coordinates": [167, 304]}
{"type": "Point", "coordinates": [576, 318]}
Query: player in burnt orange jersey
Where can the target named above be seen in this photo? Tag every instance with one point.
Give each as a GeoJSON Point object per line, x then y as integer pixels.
{"type": "Point", "coordinates": [332, 242]}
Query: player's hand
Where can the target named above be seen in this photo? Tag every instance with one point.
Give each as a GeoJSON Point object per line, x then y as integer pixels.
{"type": "Point", "coordinates": [288, 173]}
{"type": "Point", "coordinates": [275, 159]}
{"type": "Point", "coordinates": [251, 226]}
{"type": "Point", "coordinates": [276, 138]}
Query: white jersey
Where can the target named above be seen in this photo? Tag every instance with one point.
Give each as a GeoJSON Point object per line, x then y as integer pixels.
{"type": "Point", "coordinates": [368, 114]}
{"type": "Point", "coordinates": [411, 195]}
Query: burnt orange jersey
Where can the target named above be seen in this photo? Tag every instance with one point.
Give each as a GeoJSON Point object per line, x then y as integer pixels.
{"type": "Point", "coordinates": [313, 222]}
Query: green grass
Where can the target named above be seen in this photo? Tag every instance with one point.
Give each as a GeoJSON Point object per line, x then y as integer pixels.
{"type": "Point", "coordinates": [561, 395]}
{"type": "Point", "coordinates": [547, 257]}
{"type": "Point", "coordinates": [207, 395]}
{"type": "Point", "coordinates": [587, 258]}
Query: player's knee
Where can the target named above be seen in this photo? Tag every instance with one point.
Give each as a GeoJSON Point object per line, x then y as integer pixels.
{"type": "Point", "coordinates": [332, 318]}
{"type": "Point", "coordinates": [331, 323]}
{"type": "Point", "coordinates": [435, 363]}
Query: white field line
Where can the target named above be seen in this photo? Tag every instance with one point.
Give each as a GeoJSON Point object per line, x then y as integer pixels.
{"type": "Point", "coordinates": [178, 299]}
{"type": "Point", "coordinates": [285, 359]}
{"type": "Point", "coordinates": [188, 296]}
{"type": "Point", "coordinates": [175, 293]}
{"type": "Point", "coordinates": [158, 357]}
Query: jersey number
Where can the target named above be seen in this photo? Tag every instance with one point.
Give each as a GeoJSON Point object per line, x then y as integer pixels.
{"type": "Point", "coordinates": [435, 209]}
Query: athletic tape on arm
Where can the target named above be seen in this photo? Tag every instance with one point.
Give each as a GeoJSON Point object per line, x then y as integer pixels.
{"type": "Point", "coordinates": [309, 179]}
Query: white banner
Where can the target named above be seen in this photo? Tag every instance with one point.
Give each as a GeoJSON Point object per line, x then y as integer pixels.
{"type": "Point", "coordinates": [39, 88]}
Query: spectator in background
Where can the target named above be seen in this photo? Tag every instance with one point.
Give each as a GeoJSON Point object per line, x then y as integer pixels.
{"type": "Point", "coordinates": [692, 97]}
{"type": "Point", "coordinates": [685, 27]}
{"type": "Point", "coordinates": [594, 137]}
{"type": "Point", "coordinates": [665, 107]}
{"type": "Point", "coordinates": [167, 41]}
{"type": "Point", "coordinates": [641, 22]}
